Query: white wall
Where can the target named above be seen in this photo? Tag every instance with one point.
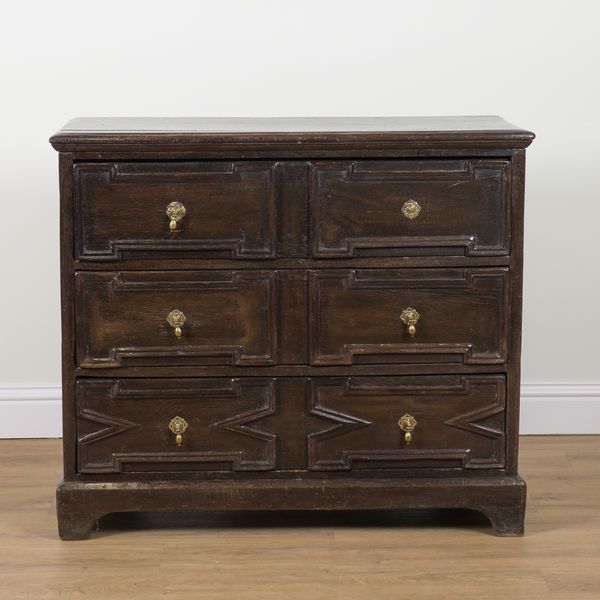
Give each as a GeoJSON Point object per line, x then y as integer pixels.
{"type": "Point", "coordinates": [536, 63]}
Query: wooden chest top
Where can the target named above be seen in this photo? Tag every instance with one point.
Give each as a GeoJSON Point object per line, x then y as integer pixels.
{"type": "Point", "coordinates": [97, 133]}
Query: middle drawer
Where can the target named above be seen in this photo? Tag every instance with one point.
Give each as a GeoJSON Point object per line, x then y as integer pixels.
{"type": "Point", "coordinates": [318, 317]}
{"type": "Point", "coordinates": [175, 318]}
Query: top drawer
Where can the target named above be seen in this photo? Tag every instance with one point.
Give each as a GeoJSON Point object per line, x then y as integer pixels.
{"type": "Point", "coordinates": [410, 207]}
{"type": "Point", "coordinates": [121, 210]}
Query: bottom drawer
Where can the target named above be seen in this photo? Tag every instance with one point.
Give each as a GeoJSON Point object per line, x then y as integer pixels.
{"type": "Point", "coordinates": [448, 421]}
{"type": "Point", "coordinates": [291, 423]}
{"type": "Point", "coordinates": [136, 425]}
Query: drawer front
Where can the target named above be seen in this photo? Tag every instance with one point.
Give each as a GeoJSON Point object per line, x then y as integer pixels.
{"type": "Point", "coordinates": [131, 318]}
{"type": "Point", "coordinates": [459, 422]}
{"type": "Point", "coordinates": [337, 424]}
{"type": "Point", "coordinates": [121, 210]}
{"type": "Point", "coordinates": [409, 315]}
{"type": "Point", "coordinates": [410, 207]}
{"type": "Point", "coordinates": [131, 425]}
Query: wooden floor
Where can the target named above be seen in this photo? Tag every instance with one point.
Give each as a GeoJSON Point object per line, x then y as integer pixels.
{"type": "Point", "coordinates": [286, 556]}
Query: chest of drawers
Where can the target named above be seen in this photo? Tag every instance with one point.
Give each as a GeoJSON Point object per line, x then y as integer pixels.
{"type": "Point", "coordinates": [263, 314]}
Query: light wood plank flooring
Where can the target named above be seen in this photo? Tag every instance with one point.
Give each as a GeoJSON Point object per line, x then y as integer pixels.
{"type": "Point", "coordinates": [288, 556]}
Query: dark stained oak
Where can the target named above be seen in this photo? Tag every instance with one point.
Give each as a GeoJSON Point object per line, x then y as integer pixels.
{"type": "Point", "coordinates": [243, 424]}
{"type": "Point", "coordinates": [490, 131]}
{"type": "Point", "coordinates": [121, 210]}
{"type": "Point", "coordinates": [175, 138]}
{"type": "Point", "coordinates": [292, 265]}
{"type": "Point", "coordinates": [460, 422]}
{"type": "Point", "coordinates": [357, 208]}
{"type": "Point", "coordinates": [241, 209]}
{"type": "Point", "coordinates": [500, 499]}
{"type": "Point", "coordinates": [123, 425]}
{"type": "Point", "coordinates": [356, 315]}
{"type": "Point", "coordinates": [123, 318]}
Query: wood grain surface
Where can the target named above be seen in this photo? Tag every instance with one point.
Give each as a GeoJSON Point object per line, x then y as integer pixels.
{"type": "Point", "coordinates": [288, 136]}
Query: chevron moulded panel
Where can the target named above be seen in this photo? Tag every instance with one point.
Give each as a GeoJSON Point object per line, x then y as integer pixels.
{"type": "Point", "coordinates": [123, 425]}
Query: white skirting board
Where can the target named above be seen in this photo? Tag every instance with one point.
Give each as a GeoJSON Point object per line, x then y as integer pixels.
{"type": "Point", "coordinates": [546, 408]}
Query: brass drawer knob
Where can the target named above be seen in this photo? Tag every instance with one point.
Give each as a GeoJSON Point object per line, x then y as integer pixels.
{"type": "Point", "coordinates": [407, 423]}
{"type": "Point", "coordinates": [175, 211]}
{"type": "Point", "coordinates": [410, 317]}
{"type": "Point", "coordinates": [178, 425]}
{"type": "Point", "coordinates": [176, 319]}
{"type": "Point", "coordinates": [411, 209]}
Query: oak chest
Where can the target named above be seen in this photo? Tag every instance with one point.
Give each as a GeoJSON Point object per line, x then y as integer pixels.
{"type": "Point", "coordinates": [291, 314]}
